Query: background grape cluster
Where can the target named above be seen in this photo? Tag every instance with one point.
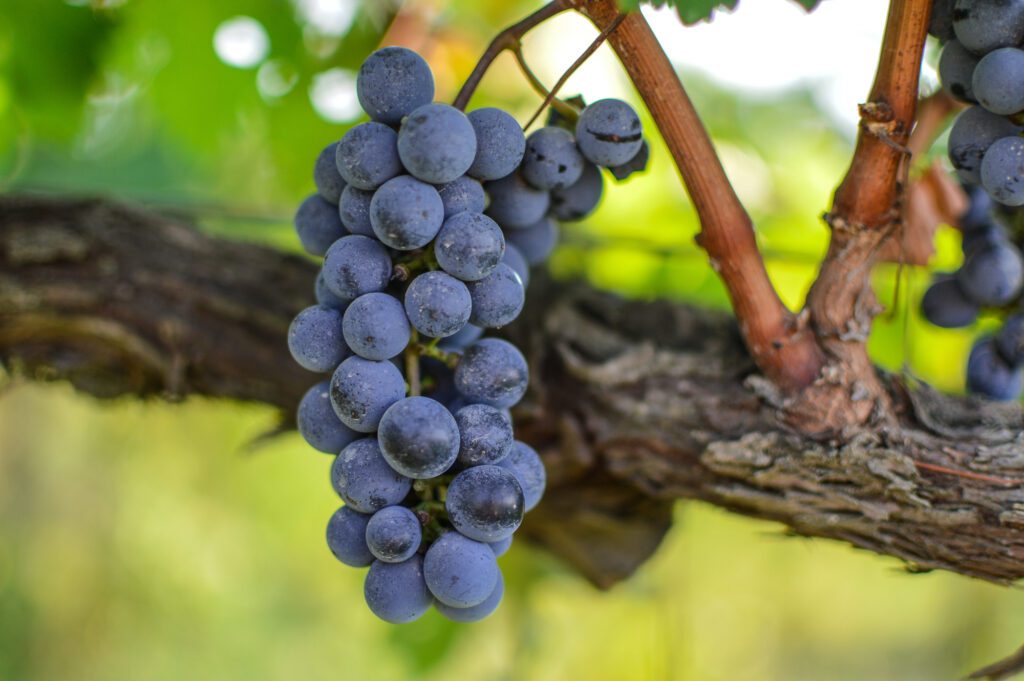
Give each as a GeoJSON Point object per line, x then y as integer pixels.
{"type": "Point", "coordinates": [982, 64]}
{"type": "Point", "coordinates": [428, 221]}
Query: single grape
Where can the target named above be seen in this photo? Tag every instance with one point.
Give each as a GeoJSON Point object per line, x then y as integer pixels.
{"type": "Point", "coordinates": [985, 25]}
{"type": "Point", "coordinates": [1010, 340]}
{"type": "Point", "coordinates": [637, 164]}
{"type": "Point", "coordinates": [552, 160]}
{"type": "Point", "coordinates": [376, 327]}
{"type": "Point", "coordinates": [1002, 171]}
{"type": "Point", "coordinates": [437, 143]}
{"type": "Point", "coordinates": [535, 242]}
{"type": "Point", "coordinates": [315, 339]}
{"type": "Point", "coordinates": [354, 209]}
{"type": "Point", "coordinates": [419, 437]}
{"type": "Point", "coordinates": [477, 612]}
{"type": "Point", "coordinates": [514, 258]}
{"type": "Point", "coordinates": [394, 534]}
{"type": "Point", "coordinates": [992, 276]}
{"type": "Point", "coordinates": [946, 306]}
{"type": "Point", "coordinates": [578, 200]}
{"type": "Point", "coordinates": [346, 537]}
{"type": "Point", "coordinates": [979, 209]}
{"type": "Point", "coordinates": [459, 571]}
{"type": "Point", "coordinates": [500, 144]}
{"type": "Point", "coordinates": [325, 297]}
{"type": "Point", "coordinates": [492, 371]}
{"type": "Point", "coordinates": [362, 390]}
{"type": "Point", "coordinates": [406, 213]}
{"type": "Point", "coordinates": [356, 265]}
{"type": "Point", "coordinates": [514, 203]}
{"type": "Point", "coordinates": [367, 155]}
{"type": "Point", "coordinates": [318, 425]}
{"type": "Point", "coordinates": [990, 375]}
{"type": "Point", "coordinates": [469, 246]}
{"type": "Point", "coordinates": [485, 435]}
{"type": "Point", "coordinates": [524, 462]}
{"type": "Point", "coordinates": [485, 503]}
{"type": "Point", "coordinates": [609, 132]}
{"type": "Point", "coordinates": [437, 304]}
{"type": "Point", "coordinates": [364, 480]}
{"type": "Point", "coordinates": [998, 81]}
{"type": "Point", "coordinates": [397, 592]}
{"type": "Point", "coordinates": [318, 225]}
{"type": "Point", "coordinates": [328, 180]}
{"type": "Point", "coordinates": [982, 238]}
{"type": "Point", "coordinates": [941, 24]}
{"type": "Point", "coordinates": [501, 546]}
{"type": "Point", "coordinates": [970, 137]}
{"type": "Point", "coordinates": [392, 82]}
{"type": "Point", "coordinates": [956, 71]}
{"type": "Point", "coordinates": [462, 339]}
{"type": "Point", "coordinates": [461, 195]}
{"type": "Point", "coordinates": [498, 298]}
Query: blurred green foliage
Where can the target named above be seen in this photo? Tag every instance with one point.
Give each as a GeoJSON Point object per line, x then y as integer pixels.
{"type": "Point", "coordinates": [145, 541]}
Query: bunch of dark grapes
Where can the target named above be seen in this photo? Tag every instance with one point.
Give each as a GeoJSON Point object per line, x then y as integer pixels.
{"type": "Point", "coordinates": [428, 220]}
{"type": "Point", "coordinates": [982, 64]}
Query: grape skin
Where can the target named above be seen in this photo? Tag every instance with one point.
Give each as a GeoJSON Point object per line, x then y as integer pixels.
{"type": "Point", "coordinates": [485, 503]}
{"type": "Point", "coordinates": [476, 612]}
{"type": "Point", "coordinates": [998, 81]}
{"type": "Point", "coordinates": [514, 258]}
{"type": "Point", "coordinates": [552, 160]}
{"type": "Point", "coordinates": [535, 242]}
{"type": "Point", "coordinates": [367, 155]}
{"type": "Point", "coordinates": [485, 435]}
{"type": "Point", "coordinates": [514, 203]}
{"type": "Point", "coordinates": [346, 537]}
{"type": "Point", "coordinates": [437, 143]}
{"type": "Point", "coordinates": [986, 25]}
{"type": "Point", "coordinates": [325, 297]}
{"type": "Point", "coordinates": [328, 181]}
{"type": "Point", "coordinates": [354, 209]}
{"type": "Point", "coordinates": [992, 276]}
{"type": "Point", "coordinates": [461, 339]}
{"type": "Point", "coordinates": [376, 327]}
{"type": "Point", "coordinates": [497, 299]}
{"type": "Point", "coordinates": [492, 371]}
{"type": "Point", "coordinates": [609, 132]}
{"type": "Point", "coordinates": [419, 437]}
{"type": "Point", "coordinates": [362, 390]}
{"type": "Point", "coordinates": [356, 265]}
{"type": "Point", "coordinates": [469, 246]}
{"type": "Point", "coordinates": [500, 144]}
{"type": "Point", "coordinates": [637, 164]}
{"type": "Point", "coordinates": [396, 592]}
{"type": "Point", "coordinates": [579, 200]}
{"type": "Point", "coordinates": [971, 136]}
{"type": "Point", "coordinates": [392, 82]}
{"type": "Point", "coordinates": [1010, 340]}
{"type": "Point", "coordinates": [524, 462]}
{"type": "Point", "coordinates": [462, 195]}
{"type": "Point", "coordinates": [956, 71]}
{"type": "Point", "coordinates": [1002, 171]}
{"type": "Point", "coordinates": [459, 571]}
{"type": "Point", "coordinates": [437, 304]}
{"type": "Point", "coordinates": [406, 213]}
{"type": "Point", "coordinates": [941, 24]}
{"type": "Point", "coordinates": [946, 306]}
{"type": "Point", "coordinates": [501, 546]}
{"type": "Point", "coordinates": [318, 225]}
{"type": "Point", "coordinates": [990, 375]}
{"type": "Point", "coordinates": [315, 339]}
{"type": "Point", "coordinates": [394, 534]}
{"type": "Point", "coordinates": [318, 425]}
{"type": "Point", "coordinates": [364, 480]}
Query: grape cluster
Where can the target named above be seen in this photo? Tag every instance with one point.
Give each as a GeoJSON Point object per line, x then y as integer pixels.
{"type": "Point", "coordinates": [428, 220]}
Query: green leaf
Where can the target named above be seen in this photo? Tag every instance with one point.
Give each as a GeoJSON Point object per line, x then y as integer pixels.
{"type": "Point", "coordinates": [694, 11]}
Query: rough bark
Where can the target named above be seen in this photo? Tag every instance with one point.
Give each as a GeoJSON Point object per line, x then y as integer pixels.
{"type": "Point", "coordinates": [633, 405]}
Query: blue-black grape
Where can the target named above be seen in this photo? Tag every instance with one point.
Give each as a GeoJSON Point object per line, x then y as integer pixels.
{"type": "Point", "coordinates": [437, 143]}
{"type": "Point", "coordinates": [992, 276]}
{"type": "Point", "coordinates": [970, 137]}
{"type": "Point", "coordinates": [319, 426]}
{"type": "Point", "coordinates": [1002, 171]}
{"type": "Point", "coordinates": [637, 164]}
{"type": "Point", "coordinates": [500, 144]}
{"type": "Point", "coordinates": [941, 23]}
{"type": "Point", "coordinates": [462, 339]}
{"type": "Point", "coordinates": [419, 437]}
{"type": "Point", "coordinates": [524, 463]}
{"type": "Point", "coordinates": [364, 480]}
{"type": "Point", "coordinates": [979, 239]}
{"type": "Point", "coordinates": [514, 203]}
{"type": "Point", "coordinates": [325, 297]}
{"type": "Point", "coordinates": [318, 225]}
{"type": "Point", "coordinates": [497, 299]}
{"type": "Point", "coordinates": [367, 155]}
{"type": "Point", "coordinates": [356, 265]}
{"type": "Point", "coordinates": [354, 209]}
{"type": "Point", "coordinates": [985, 25]}
{"type": "Point", "coordinates": [552, 160]}
{"type": "Point", "coordinates": [362, 390]}
{"type": "Point", "coordinates": [956, 70]}
{"type": "Point", "coordinates": [437, 304]}
{"type": "Point", "coordinates": [979, 209]}
{"type": "Point", "coordinates": [394, 534]}
{"type": "Point", "coordinates": [329, 183]}
{"type": "Point", "coordinates": [392, 82]}
{"type": "Point", "coordinates": [469, 246]}
{"type": "Point", "coordinates": [485, 503]}
{"type": "Point", "coordinates": [536, 241]}
{"type": "Point", "coordinates": [501, 546]}
{"type": "Point", "coordinates": [346, 537]}
{"type": "Point", "coordinates": [946, 306]}
{"type": "Point", "coordinates": [315, 339]}
{"type": "Point", "coordinates": [376, 327]}
{"type": "Point", "coordinates": [477, 612]}
{"type": "Point", "coordinates": [998, 81]}
{"type": "Point", "coordinates": [492, 371]}
{"type": "Point", "coordinates": [406, 213]}
{"type": "Point", "coordinates": [514, 258]}
{"type": "Point", "coordinates": [397, 592]}
{"type": "Point", "coordinates": [485, 434]}
{"type": "Point", "coordinates": [461, 195]}
{"type": "Point", "coordinates": [609, 132]}
{"type": "Point", "coordinates": [580, 199]}
{"type": "Point", "coordinates": [989, 374]}
{"type": "Point", "coordinates": [460, 571]}
{"type": "Point", "coordinates": [1010, 340]}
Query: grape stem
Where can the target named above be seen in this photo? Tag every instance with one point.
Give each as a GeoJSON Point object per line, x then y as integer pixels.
{"type": "Point", "coordinates": [562, 107]}
{"type": "Point", "coordinates": [412, 364]}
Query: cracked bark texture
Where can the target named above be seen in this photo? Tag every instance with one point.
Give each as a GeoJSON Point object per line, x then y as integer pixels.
{"type": "Point", "coordinates": [633, 404]}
